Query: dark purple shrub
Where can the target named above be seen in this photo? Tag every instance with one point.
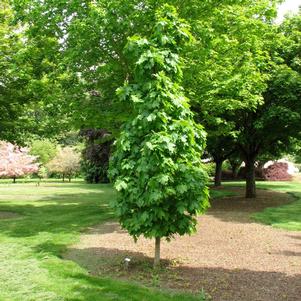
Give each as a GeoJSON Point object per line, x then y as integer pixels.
{"type": "Point", "coordinates": [277, 172]}
{"type": "Point", "coordinates": [95, 162]}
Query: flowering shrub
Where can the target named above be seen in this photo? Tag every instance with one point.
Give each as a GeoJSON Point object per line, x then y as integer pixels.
{"type": "Point", "coordinates": [66, 163]}
{"type": "Point", "coordinates": [15, 161]}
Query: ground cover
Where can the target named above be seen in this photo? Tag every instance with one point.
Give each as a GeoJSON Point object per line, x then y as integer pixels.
{"type": "Point", "coordinates": [231, 257]}
{"type": "Point", "coordinates": [287, 216]}
{"type": "Point", "coordinates": [48, 218]}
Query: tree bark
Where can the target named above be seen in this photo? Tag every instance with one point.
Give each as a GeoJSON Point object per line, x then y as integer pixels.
{"type": "Point", "coordinates": [218, 173]}
{"type": "Point", "coordinates": [234, 168]}
{"type": "Point", "coordinates": [250, 178]}
{"type": "Point", "coordinates": [157, 252]}
{"type": "Point", "coordinates": [14, 179]}
{"type": "Point", "coordinates": [63, 178]}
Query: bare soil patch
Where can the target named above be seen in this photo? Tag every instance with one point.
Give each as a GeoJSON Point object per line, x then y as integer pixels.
{"type": "Point", "coordinates": [231, 257]}
{"type": "Point", "coordinates": [8, 215]}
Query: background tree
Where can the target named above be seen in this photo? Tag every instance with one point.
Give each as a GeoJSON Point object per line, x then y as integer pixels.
{"type": "Point", "coordinates": [230, 87]}
{"type": "Point", "coordinates": [15, 161]}
{"type": "Point", "coordinates": [30, 93]}
{"type": "Point", "coordinates": [14, 74]}
{"type": "Point", "coordinates": [220, 148]}
{"type": "Point", "coordinates": [45, 150]}
{"type": "Point", "coordinates": [227, 69]}
{"type": "Point", "coordinates": [89, 74]}
{"type": "Point", "coordinates": [235, 163]}
{"type": "Point", "coordinates": [42, 174]}
{"type": "Point", "coordinates": [296, 152]}
{"type": "Point", "coordinates": [275, 123]}
{"type": "Point", "coordinates": [156, 166]}
{"type": "Point", "coordinates": [65, 163]}
{"type": "Point", "coordinates": [96, 154]}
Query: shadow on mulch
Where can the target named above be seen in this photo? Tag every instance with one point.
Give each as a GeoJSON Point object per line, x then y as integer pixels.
{"type": "Point", "coordinates": [221, 284]}
{"type": "Point", "coordinates": [108, 227]}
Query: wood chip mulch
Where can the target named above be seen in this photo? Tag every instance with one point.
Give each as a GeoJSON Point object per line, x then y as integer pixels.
{"type": "Point", "coordinates": [231, 257]}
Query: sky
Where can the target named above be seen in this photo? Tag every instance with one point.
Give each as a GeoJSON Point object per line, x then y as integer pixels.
{"type": "Point", "coordinates": [287, 6]}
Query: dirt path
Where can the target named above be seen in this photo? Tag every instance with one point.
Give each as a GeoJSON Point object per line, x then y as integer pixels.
{"type": "Point", "coordinates": [231, 257]}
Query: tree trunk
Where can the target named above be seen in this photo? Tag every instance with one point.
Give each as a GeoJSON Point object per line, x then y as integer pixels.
{"type": "Point", "coordinates": [234, 168]}
{"type": "Point", "coordinates": [250, 178]}
{"type": "Point", "coordinates": [218, 173]}
{"type": "Point", "coordinates": [157, 252]}
{"type": "Point", "coordinates": [14, 179]}
{"type": "Point", "coordinates": [69, 179]}
{"type": "Point", "coordinates": [63, 178]}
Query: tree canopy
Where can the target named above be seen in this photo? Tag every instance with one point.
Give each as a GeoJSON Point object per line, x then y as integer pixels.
{"type": "Point", "coordinates": [66, 60]}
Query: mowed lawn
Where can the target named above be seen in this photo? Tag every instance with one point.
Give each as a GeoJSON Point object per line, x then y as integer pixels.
{"type": "Point", "coordinates": [285, 217]}
{"type": "Point", "coordinates": [51, 217]}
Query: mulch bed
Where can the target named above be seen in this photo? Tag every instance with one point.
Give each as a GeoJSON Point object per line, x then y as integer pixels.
{"type": "Point", "coordinates": [231, 257]}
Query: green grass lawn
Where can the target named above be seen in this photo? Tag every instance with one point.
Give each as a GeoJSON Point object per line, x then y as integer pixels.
{"type": "Point", "coordinates": [51, 218]}
{"type": "Point", "coordinates": [287, 216]}
{"type": "Point", "coordinates": [215, 194]}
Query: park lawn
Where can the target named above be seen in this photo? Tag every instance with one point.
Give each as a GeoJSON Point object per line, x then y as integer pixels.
{"type": "Point", "coordinates": [51, 218]}
{"type": "Point", "coordinates": [217, 193]}
{"type": "Point", "coordinates": [285, 217]}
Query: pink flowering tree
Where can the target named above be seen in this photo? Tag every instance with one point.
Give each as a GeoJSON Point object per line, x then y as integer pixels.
{"type": "Point", "coordinates": [15, 161]}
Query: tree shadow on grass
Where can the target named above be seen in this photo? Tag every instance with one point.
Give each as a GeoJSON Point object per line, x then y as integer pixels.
{"type": "Point", "coordinates": [56, 214]}
{"type": "Point", "coordinates": [108, 289]}
{"type": "Point", "coordinates": [68, 213]}
{"type": "Point", "coordinates": [239, 209]}
{"type": "Point", "coordinates": [222, 284]}
{"type": "Point", "coordinates": [108, 227]}
{"type": "Point", "coordinates": [76, 185]}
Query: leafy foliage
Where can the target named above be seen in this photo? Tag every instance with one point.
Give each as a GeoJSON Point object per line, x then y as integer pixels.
{"type": "Point", "coordinates": [14, 75]}
{"type": "Point", "coordinates": [44, 150]}
{"type": "Point", "coordinates": [95, 162]}
{"type": "Point", "coordinates": [252, 94]}
{"type": "Point", "coordinates": [88, 38]}
{"type": "Point", "coordinates": [156, 166]}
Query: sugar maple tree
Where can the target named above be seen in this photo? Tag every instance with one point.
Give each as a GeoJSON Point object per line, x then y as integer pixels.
{"type": "Point", "coordinates": [16, 161]}
{"type": "Point", "coordinates": [156, 166]}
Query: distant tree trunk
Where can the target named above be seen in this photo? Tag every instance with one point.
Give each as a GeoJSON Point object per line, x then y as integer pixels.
{"type": "Point", "coordinates": [157, 252]}
{"type": "Point", "coordinates": [14, 179]}
{"type": "Point", "coordinates": [69, 179]}
{"type": "Point", "coordinates": [63, 178]}
{"type": "Point", "coordinates": [234, 168]}
{"type": "Point", "coordinates": [250, 178]}
{"type": "Point", "coordinates": [218, 173]}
